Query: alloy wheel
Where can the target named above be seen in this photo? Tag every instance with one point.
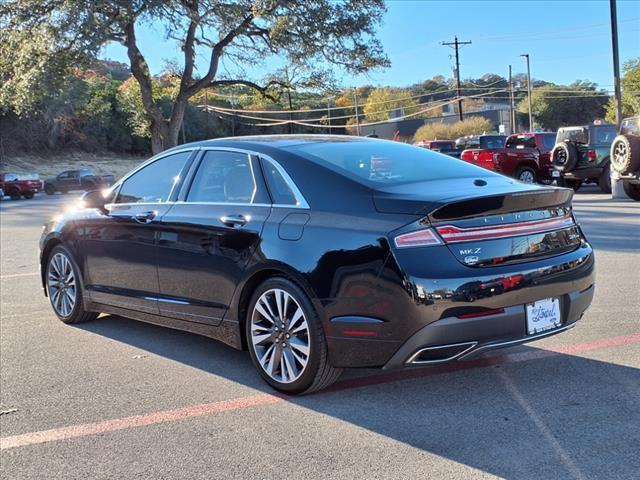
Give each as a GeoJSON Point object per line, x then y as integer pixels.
{"type": "Point", "coordinates": [527, 176]}
{"type": "Point", "coordinates": [280, 335]}
{"type": "Point", "coordinates": [61, 282]}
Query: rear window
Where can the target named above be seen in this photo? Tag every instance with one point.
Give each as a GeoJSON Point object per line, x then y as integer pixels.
{"type": "Point", "coordinates": [383, 162]}
{"type": "Point", "coordinates": [443, 145]}
{"type": "Point", "coordinates": [521, 141]}
{"type": "Point", "coordinates": [10, 177]}
{"type": "Point", "coordinates": [576, 134]}
{"type": "Point", "coordinates": [492, 141]}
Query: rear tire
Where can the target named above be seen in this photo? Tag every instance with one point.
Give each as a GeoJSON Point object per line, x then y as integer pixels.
{"type": "Point", "coordinates": [64, 287]}
{"type": "Point", "coordinates": [285, 339]}
{"type": "Point", "coordinates": [632, 190]}
{"type": "Point", "coordinates": [49, 190]}
{"type": "Point", "coordinates": [526, 175]}
{"type": "Point", "coordinates": [604, 181]}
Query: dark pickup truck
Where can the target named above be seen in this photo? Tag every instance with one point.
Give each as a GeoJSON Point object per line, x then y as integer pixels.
{"type": "Point", "coordinates": [19, 186]}
{"type": "Point", "coordinates": [83, 179]}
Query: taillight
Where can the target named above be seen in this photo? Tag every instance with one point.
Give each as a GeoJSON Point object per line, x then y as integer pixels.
{"type": "Point", "coordinates": [592, 155]}
{"type": "Point", "coordinates": [487, 160]}
{"type": "Point", "coordinates": [419, 238]}
{"type": "Point", "coordinates": [453, 234]}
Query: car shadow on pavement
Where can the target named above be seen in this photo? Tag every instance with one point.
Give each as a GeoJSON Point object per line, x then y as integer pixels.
{"type": "Point", "coordinates": [558, 416]}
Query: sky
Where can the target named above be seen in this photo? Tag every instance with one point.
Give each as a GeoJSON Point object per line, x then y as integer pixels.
{"type": "Point", "coordinates": [567, 40]}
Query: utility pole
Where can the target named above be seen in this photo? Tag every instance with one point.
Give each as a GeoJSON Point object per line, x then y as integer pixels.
{"type": "Point", "coordinates": [456, 45]}
{"type": "Point", "coordinates": [290, 113]}
{"type": "Point", "coordinates": [355, 96]}
{"type": "Point", "coordinates": [616, 61]}
{"type": "Point", "coordinates": [512, 110]}
{"type": "Point", "coordinates": [526, 55]}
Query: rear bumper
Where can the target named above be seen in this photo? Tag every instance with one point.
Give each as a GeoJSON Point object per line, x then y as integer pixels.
{"type": "Point", "coordinates": [422, 310]}
{"type": "Point", "coordinates": [583, 173]}
{"type": "Point", "coordinates": [453, 338]}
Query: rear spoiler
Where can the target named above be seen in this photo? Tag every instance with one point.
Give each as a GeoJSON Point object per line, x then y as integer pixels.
{"type": "Point", "coordinates": [504, 203]}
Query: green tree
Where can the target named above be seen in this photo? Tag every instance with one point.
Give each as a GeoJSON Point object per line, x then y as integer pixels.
{"type": "Point", "coordinates": [553, 106]}
{"type": "Point", "coordinates": [309, 35]}
{"type": "Point", "coordinates": [630, 84]}
{"type": "Point", "coordinates": [381, 102]}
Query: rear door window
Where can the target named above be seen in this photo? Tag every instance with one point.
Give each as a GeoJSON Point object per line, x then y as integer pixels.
{"type": "Point", "coordinates": [223, 177]}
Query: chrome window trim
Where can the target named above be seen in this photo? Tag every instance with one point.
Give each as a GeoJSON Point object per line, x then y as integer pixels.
{"type": "Point", "coordinates": [301, 202]}
{"type": "Point", "coordinates": [144, 164]}
{"type": "Point", "coordinates": [249, 155]}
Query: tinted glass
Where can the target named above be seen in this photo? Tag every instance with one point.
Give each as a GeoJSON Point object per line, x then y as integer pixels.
{"type": "Point", "coordinates": [577, 134]}
{"type": "Point", "coordinates": [521, 141]}
{"type": "Point", "coordinates": [281, 193]}
{"type": "Point", "coordinates": [223, 177]}
{"type": "Point", "coordinates": [153, 183]}
{"type": "Point", "coordinates": [492, 141]}
{"type": "Point", "coordinates": [630, 126]}
{"type": "Point", "coordinates": [384, 162]}
{"type": "Point", "coordinates": [603, 134]}
{"type": "Point", "coordinates": [548, 140]}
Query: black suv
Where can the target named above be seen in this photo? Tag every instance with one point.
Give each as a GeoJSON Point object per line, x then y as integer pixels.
{"type": "Point", "coordinates": [581, 155]}
{"type": "Point", "coordinates": [625, 156]}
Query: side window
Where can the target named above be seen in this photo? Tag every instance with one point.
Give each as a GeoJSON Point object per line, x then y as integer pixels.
{"type": "Point", "coordinates": [280, 190]}
{"type": "Point", "coordinates": [153, 183]}
{"type": "Point", "coordinates": [223, 177]}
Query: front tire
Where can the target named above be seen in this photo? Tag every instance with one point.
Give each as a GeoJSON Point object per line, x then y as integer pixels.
{"type": "Point", "coordinates": [64, 287]}
{"type": "Point", "coordinates": [573, 184]}
{"type": "Point", "coordinates": [286, 340]}
{"type": "Point", "coordinates": [49, 190]}
{"type": "Point", "coordinates": [604, 181]}
{"type": "Point", "coordinates": [28, 196]}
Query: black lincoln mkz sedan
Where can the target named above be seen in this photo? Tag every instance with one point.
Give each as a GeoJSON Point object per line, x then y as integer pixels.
{"type": "Point", "coordinates": [317, 253]}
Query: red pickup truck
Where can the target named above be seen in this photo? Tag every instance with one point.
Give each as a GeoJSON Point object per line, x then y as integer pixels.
{"type": "Point", "coordinates": [17, 186]}
{"type": "Point", "coordinates": [524, 156]}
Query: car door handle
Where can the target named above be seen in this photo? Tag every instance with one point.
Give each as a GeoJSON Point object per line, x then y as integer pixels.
{"type": "Point", "coordinates": [144, 217]}
{"type": "Point", "coordinates": [234, 220]}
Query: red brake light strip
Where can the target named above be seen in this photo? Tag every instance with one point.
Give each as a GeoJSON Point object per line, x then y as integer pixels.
{"type": "Point", "coordinates": [453, 234]}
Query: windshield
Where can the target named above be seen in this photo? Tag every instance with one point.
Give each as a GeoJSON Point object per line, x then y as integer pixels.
{"type": "Point", "coordinates": [492, 141]}
{"type": "Point", "coordinates": [443, 145]}
{"type": "Point", "coordinates": [385, 162]}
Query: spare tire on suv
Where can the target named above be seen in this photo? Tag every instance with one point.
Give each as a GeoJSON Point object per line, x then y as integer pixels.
{"type": "Point", "coordinates": [625, 154]}
{"type": "Point", "coordinates": [564, 156]}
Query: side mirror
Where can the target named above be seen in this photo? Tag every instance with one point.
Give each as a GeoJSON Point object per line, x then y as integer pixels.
{"type": "Point", "coordinates": [94, 199]}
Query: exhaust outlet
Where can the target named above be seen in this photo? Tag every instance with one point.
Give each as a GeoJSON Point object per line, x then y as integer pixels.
{"type": "Point", "coordinates": [440, 353]}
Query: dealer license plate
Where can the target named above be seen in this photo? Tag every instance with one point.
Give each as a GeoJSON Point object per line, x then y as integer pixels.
{"type": "Point", "coordinates": [543, 315]}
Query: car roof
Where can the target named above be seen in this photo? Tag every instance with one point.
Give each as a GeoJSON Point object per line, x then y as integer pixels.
{"type": "Point", "coordinates": [274, 141]}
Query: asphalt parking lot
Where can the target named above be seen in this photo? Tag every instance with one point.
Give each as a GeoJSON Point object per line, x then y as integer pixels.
{"type": "Point", "coordinates": [121, 399]}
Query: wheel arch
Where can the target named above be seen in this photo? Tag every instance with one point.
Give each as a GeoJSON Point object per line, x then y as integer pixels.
{"type": "Point", "coordinates": [44, 257]}
{"type": "Point", "coordinates": [253, 281]}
